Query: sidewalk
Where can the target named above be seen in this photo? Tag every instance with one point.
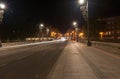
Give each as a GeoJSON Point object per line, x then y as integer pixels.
{"type": "Point", "coordinates": [71, 65]}
{"type": "Point", "coordinates": [113, 48]}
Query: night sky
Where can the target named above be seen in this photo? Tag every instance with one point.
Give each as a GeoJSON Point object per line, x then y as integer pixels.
{"type": "Point", "coordinates": [26, 14]}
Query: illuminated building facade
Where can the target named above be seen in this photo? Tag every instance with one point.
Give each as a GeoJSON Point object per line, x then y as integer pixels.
{"type": "Point", "coordinates": [110, 28]}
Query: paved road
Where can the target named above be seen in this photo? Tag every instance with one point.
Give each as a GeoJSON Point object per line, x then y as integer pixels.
{"type": "Point", "coordinates": [58, 60]}
{"type": "Point", "coordinates": [29, 61]}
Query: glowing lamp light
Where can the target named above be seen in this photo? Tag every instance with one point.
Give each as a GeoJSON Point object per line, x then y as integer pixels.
{"type": "Point", "coordinates": [81, 1]}
{"type": "Point", "coordinates": [41, 25]}
{"type": "Point", "coordinates": [74, 23]}
{"type": "Point", "coordinates": [81, 34]}
{"type": "Point", "coordinates": [101, 33]}
{"type": "Point", "coordinates": [2, 6]}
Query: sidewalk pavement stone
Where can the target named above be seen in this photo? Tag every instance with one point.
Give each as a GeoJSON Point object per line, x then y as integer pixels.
{"type": "Point", "coordinates": [71, 65]}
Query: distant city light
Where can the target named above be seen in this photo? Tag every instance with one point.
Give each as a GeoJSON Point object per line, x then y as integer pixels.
{"type": "Point", "coordinates": [48, 30]}
{"type": "Point", "coordinates": [101, 34]}
{"type": "Point", "coordinates": [41, 25]}
{"type": "Point", "coordinates": [81, 34]}
{"type": "Point", "coordinates": [74, 23]}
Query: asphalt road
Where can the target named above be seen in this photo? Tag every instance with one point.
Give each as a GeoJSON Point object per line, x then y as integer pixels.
{"type": "Point", "coordinates": [29, 62]}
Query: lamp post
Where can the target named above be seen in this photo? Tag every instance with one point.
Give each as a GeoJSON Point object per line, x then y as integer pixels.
{"type": "Point", "coordinates": [48, 30]}
{"type": "Point", "coordinates": [41, 26]}
{"type": "Point", "coordinates": [76, 29]}
{"type": "Point", "coordinates": [85, 12]}
{"type": "Point", "coordinates": [2, 8]}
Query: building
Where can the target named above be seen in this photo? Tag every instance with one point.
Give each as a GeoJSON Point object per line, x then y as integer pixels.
{"type": "Point", "coordinates": [110, 28]}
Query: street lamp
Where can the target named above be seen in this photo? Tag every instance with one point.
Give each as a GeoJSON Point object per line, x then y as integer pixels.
{"type": "Point", "coordinates": [41, 26]}
{"type": "Point", "coordinates": [81, 2]}
{"type": "Point", "coordinates": [2, 8]}
{"type": "Point", "coordinates": [48, 30]}
{"type": "Point", "coordinates": [85, 12]}
{"type": "Point", "coordinates": [76, 29]}
{"type": "Point", "coordinates": [74, 23]}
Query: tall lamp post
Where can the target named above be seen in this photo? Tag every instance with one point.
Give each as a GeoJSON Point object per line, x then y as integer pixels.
{"type": "Point", "coordinates": [76, 29]}
{"type": "Point", "coordinates": [47, 30]}
{"type": "Point", "coordinates": [85, 12]}
{"type": "Point", "coordinates": [2, 8]}
{"type": "Point", "coordinates": [41, 26]}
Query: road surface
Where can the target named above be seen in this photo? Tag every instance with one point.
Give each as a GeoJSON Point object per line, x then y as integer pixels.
{"type": "Point", "coordinates": [30, 61]}
{"type": "Point", "coordinates": [58, 60]}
